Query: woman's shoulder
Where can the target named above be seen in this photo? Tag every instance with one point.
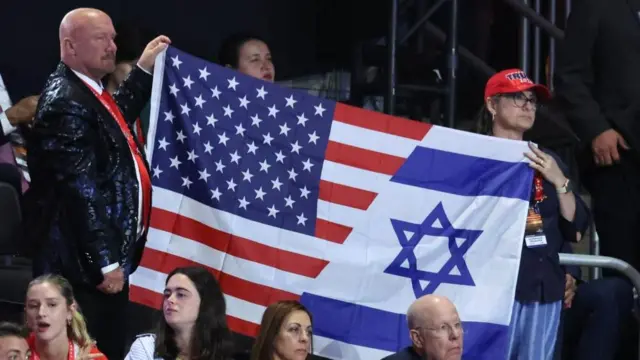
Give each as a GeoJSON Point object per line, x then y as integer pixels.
{"type": "Point", "coordinates": [96, 351]}
{"type": "Point", "coordinates": [93, 352]}
{"type": "Point", "coordinates": [143, 347]}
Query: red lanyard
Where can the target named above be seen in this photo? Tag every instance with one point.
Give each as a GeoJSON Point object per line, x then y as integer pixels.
{"type": "Point", "coordinates": [145, 179]}
{"type": "Point", "coordinates": [70, 356]}
{"type": "Point", "coordinates": [538, 188]}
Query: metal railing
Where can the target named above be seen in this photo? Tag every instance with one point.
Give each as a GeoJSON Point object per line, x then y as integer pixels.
{"type": "Point", "coordinates": [541, 24]}
{"type": "Point", "coordinates": [594, 249]}
{"type": "Point", "coordinates": [606, 262]}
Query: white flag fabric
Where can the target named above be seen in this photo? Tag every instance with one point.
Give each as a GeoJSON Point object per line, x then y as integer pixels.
{"type": "Point", "coordinates": [283, 195]}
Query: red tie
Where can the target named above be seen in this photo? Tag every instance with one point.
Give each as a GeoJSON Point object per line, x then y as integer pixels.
{"type": "Point", "coordinates": [145, 179]}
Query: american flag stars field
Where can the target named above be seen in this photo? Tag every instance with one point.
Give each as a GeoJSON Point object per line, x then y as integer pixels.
{"type": "Point", "coordinates": [241, 148]}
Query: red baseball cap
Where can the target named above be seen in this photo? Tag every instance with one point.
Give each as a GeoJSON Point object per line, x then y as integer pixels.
{"type": "Point", "coordinates": [514, 81]}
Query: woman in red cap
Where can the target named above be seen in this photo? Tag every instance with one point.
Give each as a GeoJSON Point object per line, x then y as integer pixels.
{"type": "Point", "coordinates": [555, 215]}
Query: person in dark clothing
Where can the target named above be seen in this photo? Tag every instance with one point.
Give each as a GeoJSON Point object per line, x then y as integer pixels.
{"type": "Point", "coordinates": [435, 329]}
{"type": "Point", "coordinates": [597, 83]}
{"type": "Point", "coordinates": [90, 197]}
{"type": "Point", "coordinates": [408, 353]}
{"type": "Point", "coordinates": [556, 215]}
{"type": "Point", "coordinates": [20, 114]}
{"type": "Point", "coordinates": [594, 317]}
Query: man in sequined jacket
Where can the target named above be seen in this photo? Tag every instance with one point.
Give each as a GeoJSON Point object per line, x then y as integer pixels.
{"type": "Point", "coordinates": [90, 198]}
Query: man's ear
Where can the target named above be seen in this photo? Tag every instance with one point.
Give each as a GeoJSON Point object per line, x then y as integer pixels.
{"type": "Point", "coordinates": [69, 46]}
{"type": "Point", "coordinates": [416, 339]}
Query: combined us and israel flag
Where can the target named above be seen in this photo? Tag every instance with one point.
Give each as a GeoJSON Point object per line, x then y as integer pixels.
{"type": "Point", "coordinates": [354, 213]}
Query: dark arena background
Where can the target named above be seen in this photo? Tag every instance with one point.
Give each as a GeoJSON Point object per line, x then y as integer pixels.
{"type": "Point", "coordinates": [345, 40]}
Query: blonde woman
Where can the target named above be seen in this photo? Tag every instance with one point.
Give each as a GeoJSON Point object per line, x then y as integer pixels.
{"type": "Point", "coordinates": [58, 329]}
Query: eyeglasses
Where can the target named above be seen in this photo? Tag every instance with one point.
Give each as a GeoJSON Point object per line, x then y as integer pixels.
{"type": "Point", "coordinates": [520, 100]}
{"type": "Point", "coordinates": [444, 330]}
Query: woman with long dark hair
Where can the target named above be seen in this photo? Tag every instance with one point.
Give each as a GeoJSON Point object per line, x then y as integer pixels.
{"type": "Point", "coordinates": [556, 215]}
{"type": "Point", "coordinates": [193, 326]}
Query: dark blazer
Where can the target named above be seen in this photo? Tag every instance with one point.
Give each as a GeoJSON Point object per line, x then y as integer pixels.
{"type": "Point", "coordinates": [597, 78]}
{"type": "Point", "coordinates": [541, 277]}
{"type": "Point", "coordinates": [3, 138]}
{"type": "Point", "coordinates": [83, 200]}
{"type": "Point", "coordinates": [405, 354]}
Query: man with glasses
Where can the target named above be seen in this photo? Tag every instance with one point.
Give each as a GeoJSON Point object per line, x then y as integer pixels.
{"type": "Point", "coordinates": [13, 342]}
{"type": "Point", "coordinates": [435, 330]}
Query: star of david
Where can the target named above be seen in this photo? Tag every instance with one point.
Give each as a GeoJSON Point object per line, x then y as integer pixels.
{"type": "Point", "coordinates": [436, 224]}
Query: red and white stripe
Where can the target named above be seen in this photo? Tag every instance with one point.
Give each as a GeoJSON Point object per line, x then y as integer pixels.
{"type": "Point", "coordinates": [258, 264]}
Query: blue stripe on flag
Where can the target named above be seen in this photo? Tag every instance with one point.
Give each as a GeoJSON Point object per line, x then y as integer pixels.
{"type": "Point", "coordinates": [383, 330]}
{"type": "Point", "coordinates": [465, 175]}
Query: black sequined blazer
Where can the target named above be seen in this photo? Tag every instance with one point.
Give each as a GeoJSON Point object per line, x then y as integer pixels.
{"type": "Point", "coordinates": [82, 207]}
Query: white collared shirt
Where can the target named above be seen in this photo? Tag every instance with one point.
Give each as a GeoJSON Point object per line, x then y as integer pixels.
{"type": "Point", "coordinates": [143, 348]}
{"type": "Point", "coordinates": [7, 128]}
{"type": "Point", "coordinates": [99, 89]}
{"type": "Point", "coordinates": [5, 104]}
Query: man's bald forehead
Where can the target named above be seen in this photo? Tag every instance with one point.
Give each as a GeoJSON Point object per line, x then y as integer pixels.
{"type": "Point", "coordinates": [429, 301]}
{"type": "Point", "coordinates": [424, 307]}
{"type": "Point", "coordinates": [77, 18]}
{"type": "Point", "coordinates": [82, 14]}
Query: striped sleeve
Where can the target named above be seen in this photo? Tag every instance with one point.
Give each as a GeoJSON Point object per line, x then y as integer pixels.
{"type": "Point", "coordinates": [142, 348]}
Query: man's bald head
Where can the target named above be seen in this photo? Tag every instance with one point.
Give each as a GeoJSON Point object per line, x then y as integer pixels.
{"type": "Point", "coordinates": [435, 328]}
{"type": "Point", "coordinates": [76, 19]}
{"type": "Point", "coordinates": [86, 42]}
{"type": "Point", "coordinates": [425, 307]}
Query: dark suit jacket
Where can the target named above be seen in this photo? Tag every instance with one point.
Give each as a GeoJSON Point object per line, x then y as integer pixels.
{"type": "Point", "coordinates": [597, 74]}
{"type": "Point", "coordinates": [83, 200]}
{"type": "Point", "coordinates": [405, 354]}
{"type": "Point", "coordinates": [3, 138]}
